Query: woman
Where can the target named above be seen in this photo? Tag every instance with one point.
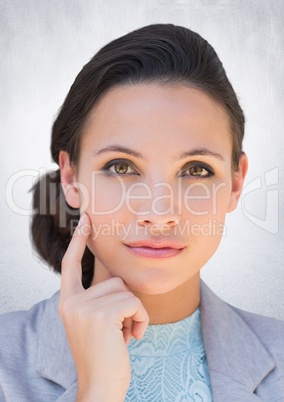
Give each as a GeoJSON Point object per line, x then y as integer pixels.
{"type": "Point", "coordinates": [149, 148]}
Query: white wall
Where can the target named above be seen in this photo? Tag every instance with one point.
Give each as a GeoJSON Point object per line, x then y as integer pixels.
{"type": "Point", "coordinates": [44, 44]}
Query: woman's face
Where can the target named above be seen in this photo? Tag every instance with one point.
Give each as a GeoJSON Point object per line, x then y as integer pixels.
{"type": "Point", "coordinates": [155, 165]}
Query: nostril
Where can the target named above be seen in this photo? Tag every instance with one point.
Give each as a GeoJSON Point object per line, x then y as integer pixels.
{"type": "Point", "coordinates": [147, 222]}
{"type": "Point", "coordinates": [143, 221]}
{"type": "Point", "coordinates": [173, 222]}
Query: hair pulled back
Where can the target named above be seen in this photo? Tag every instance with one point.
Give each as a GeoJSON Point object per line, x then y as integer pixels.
{"type": "Point", "coordinates": [160, 53]}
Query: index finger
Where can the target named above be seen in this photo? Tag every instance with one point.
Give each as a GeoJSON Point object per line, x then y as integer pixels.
{"type": "Point", "coordinates": [71, 266]}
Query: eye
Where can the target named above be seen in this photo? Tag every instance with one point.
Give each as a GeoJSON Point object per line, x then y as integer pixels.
{"type": "Point", "coordinates": [119, 167]}
{"type": "Point", "coordinates": [198, 170]}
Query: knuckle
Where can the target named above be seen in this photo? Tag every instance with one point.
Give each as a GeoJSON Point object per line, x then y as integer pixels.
{"type": "Point", "coordinates": [136, 300]}
{"type": "Point", "coordinates": [138, 304]}
{"type": "Point", "coordinates": [118, 281]}
{"type": "Point", "coordinates": [100, 316]}
{"type": "Point", "coordinates": [65, 307]}
{"type": "Point", "coordinates": [84, 313]}
{"type": "Point", "coordinates": [129, 294]}
{"type": "Point", "coordinates": [80, 312]}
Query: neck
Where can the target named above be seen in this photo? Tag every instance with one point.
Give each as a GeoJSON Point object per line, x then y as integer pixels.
{"type": "Point", "coordinates": [172, 306]}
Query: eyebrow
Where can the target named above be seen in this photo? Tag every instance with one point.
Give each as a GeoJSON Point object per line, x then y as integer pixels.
{"type": "Point", "coordinates": [125, 150]}
{"type": "Point", "coordinates": [117, 148]}
{"type": "Point", "coordinates": [201, 151]}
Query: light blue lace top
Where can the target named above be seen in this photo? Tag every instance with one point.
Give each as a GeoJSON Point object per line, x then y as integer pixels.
{"type": "Point", "coordinates": [169, 364]}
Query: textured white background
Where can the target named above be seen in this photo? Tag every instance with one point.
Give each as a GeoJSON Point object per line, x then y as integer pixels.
{"type": "Point", "coordinates": [44, 44]}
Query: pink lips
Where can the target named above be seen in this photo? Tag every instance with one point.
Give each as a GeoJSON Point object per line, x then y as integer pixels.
{"type": "Point", "coordinates": [152, 249]}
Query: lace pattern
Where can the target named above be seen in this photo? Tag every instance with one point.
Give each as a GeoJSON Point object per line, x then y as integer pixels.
{"type": "Point", "coordinates": [169, 364]}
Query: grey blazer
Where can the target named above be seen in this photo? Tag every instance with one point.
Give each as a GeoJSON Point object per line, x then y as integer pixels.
{"type": "Point", "coordinates": [245, 354]}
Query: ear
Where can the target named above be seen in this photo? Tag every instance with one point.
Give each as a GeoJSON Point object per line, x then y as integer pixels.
{"type": "Point", "coordinates": [237, 182]}
{"type": "Point", "coordinates": [68, 180]}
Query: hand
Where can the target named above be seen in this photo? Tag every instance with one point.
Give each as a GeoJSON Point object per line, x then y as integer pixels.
{"type": "Point", "coordinates": [99, 322]}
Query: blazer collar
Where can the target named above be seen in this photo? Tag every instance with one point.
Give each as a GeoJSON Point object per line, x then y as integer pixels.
{"type": "Point", "coordinates": [237, 360]}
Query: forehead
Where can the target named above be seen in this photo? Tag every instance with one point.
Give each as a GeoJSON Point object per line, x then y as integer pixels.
{"type": "Point", "coordinates": [172, 116]}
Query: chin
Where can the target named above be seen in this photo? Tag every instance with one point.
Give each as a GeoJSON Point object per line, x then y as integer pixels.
{"type": "Point", "coordinates": [152, 286]}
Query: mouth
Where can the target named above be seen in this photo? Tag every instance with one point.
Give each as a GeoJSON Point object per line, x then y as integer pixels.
{"type": "Point", "coordinates": [151, 249]}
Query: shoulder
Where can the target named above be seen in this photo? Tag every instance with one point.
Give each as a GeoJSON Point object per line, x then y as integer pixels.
{"type": "Point", "coordinates": [245, 347]}
{"type": "Point", "coordinates": [16, 324]}
{"type": "Point", "coordinates": [19, 328]}
{"type": "Point", "coordinates": [239, 322]}
{"type": "Point", "coordinates": [19, 341]}
{"type": "Point", "coordinates": [270, 331]}
{"type": "Point", "coordinates": [267, 325]}
{"type": "Point", "coordinates": [240, 327]}
{"type": "Point", "coordinates": [16, 319]}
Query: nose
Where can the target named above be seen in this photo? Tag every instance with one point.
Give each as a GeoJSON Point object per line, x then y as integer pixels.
{"type": "Point", "coordinates": [158, 225]}
{"type": "Point", "coordinates": [160, 211]}
{"type": "Point", "coordinates": [155, 227]}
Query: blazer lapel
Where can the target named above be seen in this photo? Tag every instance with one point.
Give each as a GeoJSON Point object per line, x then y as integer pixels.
{"type": "Point", "coordinates": [70, 393]}
{"type": "Point", "coordinates": [237, 360]}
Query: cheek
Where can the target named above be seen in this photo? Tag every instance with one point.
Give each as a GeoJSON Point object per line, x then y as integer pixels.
{"type": "Point", "coordinates": [105, 195]}
{"type": "Point", "coordinates": [105, 242]}
{"type": "Point", "coordinates": [107, 229]}
{"type": "Point", "coordinates": [204, 201]}
{"type": "Point", "coordinates": [102, 238]}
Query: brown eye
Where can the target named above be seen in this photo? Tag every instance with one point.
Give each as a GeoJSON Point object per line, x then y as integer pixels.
{"type": "Point", "coordinates": [198, 171]}
{"type": "Point", "coordinates": [121, 168]}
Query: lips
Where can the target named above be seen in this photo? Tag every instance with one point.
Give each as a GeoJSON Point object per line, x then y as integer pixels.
{"type": "Point", "coordinates": [155, 244]}
{"type": "Point", "coordinates": [154, 249]}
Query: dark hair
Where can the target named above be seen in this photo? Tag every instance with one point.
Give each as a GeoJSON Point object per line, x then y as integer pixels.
{"type": "Point", "coordinates": [161, 53]}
